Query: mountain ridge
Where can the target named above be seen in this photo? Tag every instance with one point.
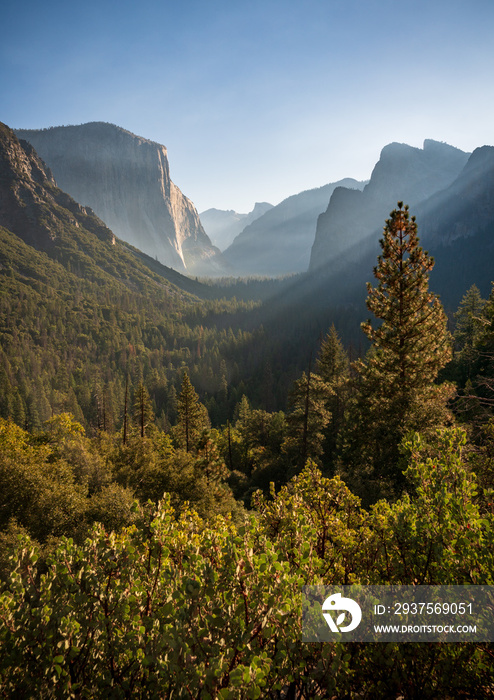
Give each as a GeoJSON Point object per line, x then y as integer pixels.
{"type": "Point", "coordinates": [222, 226]}
{"type": "Point", "coordinates": [36, 210]}
{"type": "Point", "coordinates": [279, 242]}
{"type": "Point", "coordinates": [125, 179]}
{"type": "Point", "coordinates": [403, 173]}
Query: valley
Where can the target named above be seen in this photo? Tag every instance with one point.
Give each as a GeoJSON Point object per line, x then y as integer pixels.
{"type": "Point", "coordinates": [193, 425]}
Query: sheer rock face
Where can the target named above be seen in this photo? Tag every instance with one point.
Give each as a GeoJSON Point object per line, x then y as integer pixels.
{"type": "Point", "coordinates": [125, 179]}
{"type": "Point", "coordinates": [31, 204]}
{"type": "Point", "coordinates": [403, 173]}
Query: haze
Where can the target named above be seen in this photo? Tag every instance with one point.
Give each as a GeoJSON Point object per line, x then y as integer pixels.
{"type": "Point", "coordinates": [255, 101]}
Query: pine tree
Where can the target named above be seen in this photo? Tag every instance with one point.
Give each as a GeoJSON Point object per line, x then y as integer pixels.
{"type": "Point", "coordinates": [333, 367]}
{"type": "Point", "coordinates": [143, 410]}
{"type": "Point", "coordinates": [475, 361]}
{"type": "Point", "coordinates": [307, 419]}
{"type": "Point", "coordinates": [469, 322]}
{"type": "Point", "coordinates": [242, 411]}
{"type": "Point", "coordinates": [469, 357]}
{"type": "Point", "coordinates": [192, 416]}
{"type": "Point", "coordinates": [332, 363]}
{"type": "Point", "coordinates": [396, 391]}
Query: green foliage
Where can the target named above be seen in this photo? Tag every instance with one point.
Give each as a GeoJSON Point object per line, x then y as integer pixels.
{"type": "Point", "coordinates": [128, 567]}
{"type": "Point", "coordinates": [38, 490]}
{"type": "Point", "coordinates": [411, 344]}
{"type": "Point", "coordinates": [193, 418]}
{"type": "Point", "coordinates": [126, 614]}
{"type": "Point", "coordinates": [481, 461]}
{"type": "Point", "coordinates": [395, 391]}
{"type": "Point", "coordinates": [143, 410]}
{"type": "Point", "coordinates": [173, 606]}
{"type": "Point", "coordinates": [307, 419]}
{"type": "Point", "coordinates": [438, 534]}
{"type": "Point", "coordinates": [111, 506]}
{"type": "Point", "coordinates": [473, 364]}
{"type": "Point", "coordinates": [73, 328]}
{"type": "Point", "coordinates": [333, 366]}
{"type": "Point", "coordinates": [319, 525]}
{"type": "Point", "coordinates": [57, 483]}
{"type": "Point", "coordinates": [256, 448]}
{"type": "Point", "coordinates": [468, 319]}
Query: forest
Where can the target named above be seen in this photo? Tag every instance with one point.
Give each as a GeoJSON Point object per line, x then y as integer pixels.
{"type": "Point", "coordinates": [172, 472]}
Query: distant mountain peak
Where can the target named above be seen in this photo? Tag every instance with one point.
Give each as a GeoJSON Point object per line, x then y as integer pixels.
{"type": "Point", "coordinates": [432, 145]}
{"type": "Point", "coordinates": [481, 156]}
{"type": "Point", "coordinates": [261, 207]}
{"type": "Point", "coordinates": [222, 226]}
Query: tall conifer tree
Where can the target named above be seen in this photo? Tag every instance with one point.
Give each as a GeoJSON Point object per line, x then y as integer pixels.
{"type": "Point", "coordinates": [396, 391]}
{"type": "Point", "coordinates": [143, 410]}
{"type": "Point", "coordinates": [192, 416]}
{"type": "Point", "coordinates": [307, 419]}
{"type": "Point", "coordinates": [333, 367]}
{"type": "Point", "coordinates": [469, 321]}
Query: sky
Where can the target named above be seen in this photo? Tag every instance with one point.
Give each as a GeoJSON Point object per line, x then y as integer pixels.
{"type": "Point", "coordinates": [255, 100]}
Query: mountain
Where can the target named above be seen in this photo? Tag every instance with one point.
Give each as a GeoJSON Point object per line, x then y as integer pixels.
{"type": "Point", "coordinates": [49, 220]}
{"type": "Point", "coordinates": [455, 224]}
{"type": "Point", "coordinates": [457, 227]}
{"type": "Point", "coordinates": [279, 241]}
{"type": "Point", "coordinates": [80, 310]}
{"type": "Point", "coordinates": [83, 314]}
{"type": "Point", "coordinates": [125, 179]}
{"type": "Point", "coordinates": [402, 173]}
{"type": "Point", "coordinates": [223, 226]}
{"type": "Point", "coordinates": [465, 207]}
{"type": "Point", "coordinates": [31, 204]}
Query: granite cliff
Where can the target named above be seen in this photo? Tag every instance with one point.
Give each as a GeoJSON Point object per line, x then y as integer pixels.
{"type": "Point", "coordinates": [402, 173]}
{"type": "Point", "coordinates": [126, 180]}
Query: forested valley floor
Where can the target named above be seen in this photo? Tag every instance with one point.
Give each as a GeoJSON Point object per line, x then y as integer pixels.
{"type": "Point", "coordinates": [172, 472]}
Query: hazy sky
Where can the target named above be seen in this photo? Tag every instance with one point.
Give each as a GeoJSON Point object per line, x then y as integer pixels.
{"type": "Point", "coordinates": [255, 100]}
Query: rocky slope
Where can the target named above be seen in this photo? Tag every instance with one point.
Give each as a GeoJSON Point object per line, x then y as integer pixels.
{"type": "Point", "coordinates": [223, 226]}
{"type": "Point", "coordinates": [279, 242]}
{"type": "Point", "coordinates": [31, 204]}
{"type": "Point", "coordinates": [34, 211]}
{"type": "Point", "coordinates": [402, 173]}
{"type": "Point", "coordinates": [125, 179]}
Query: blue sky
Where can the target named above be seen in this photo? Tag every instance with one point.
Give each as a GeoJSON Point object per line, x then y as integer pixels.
{"type": "Point", "coordinates": [255, 100]}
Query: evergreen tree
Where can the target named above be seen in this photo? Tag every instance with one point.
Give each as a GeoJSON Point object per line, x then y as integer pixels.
{"type": "Point", "coordinates": [143, 410]}
{"type": "Point", "coordinates": [475, 362]}
{"type": "Point", "coordinates": [333, 367]}
{"type": "Point", "coordinates": [396, 392]}
{"type": "Point", "coordinates": [469, 322]}
{"type": "Point", "coordinates": [192, 416]}
{"type": "Point", "coordinates": [468, 365]}
{"type": "Point", "coordinates": [307, 419]}
{"type": "Point", "coordinates": [242, 411]}
{"type": "Point", "coordinates": [332, 363]}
